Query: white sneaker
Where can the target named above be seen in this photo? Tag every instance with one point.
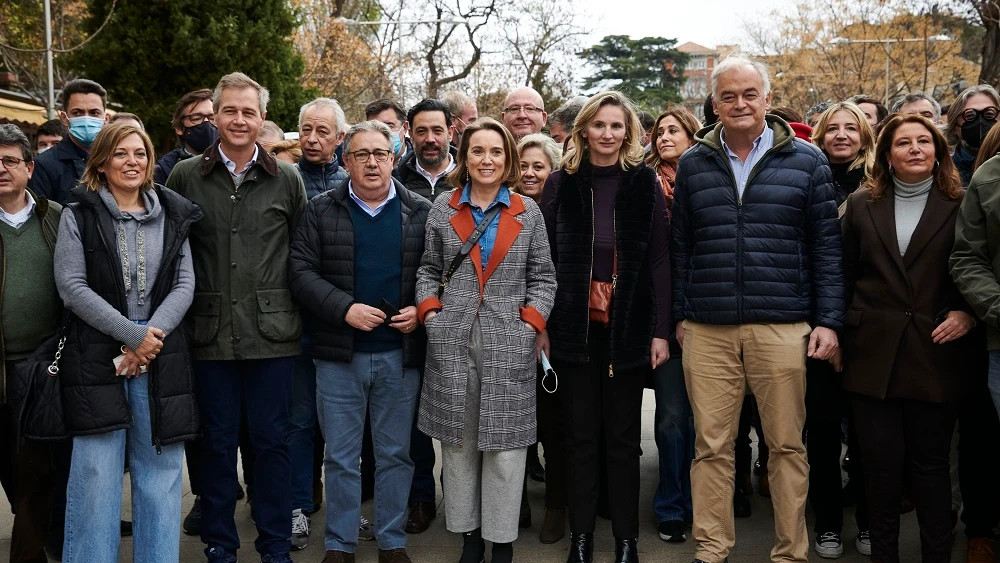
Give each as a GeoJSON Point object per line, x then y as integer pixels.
{"type": "Point", "coordinates": [829, 546]}
{"type": "Point", "coordinates": [864, 543]}
{"type": "Point", "coordinates": [300, 530]}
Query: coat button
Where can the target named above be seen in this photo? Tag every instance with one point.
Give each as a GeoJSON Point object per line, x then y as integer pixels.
{"type": "Point", "coordinates": [267, 301]}
{"type": "Point", "coordinates": [234, 231]}
{"type": "Point", "coordinates": [909, 312]}
{"type": "Point", "coordinates": [234, 301]}
{"type": "Point", "coordinates": [234, 265]}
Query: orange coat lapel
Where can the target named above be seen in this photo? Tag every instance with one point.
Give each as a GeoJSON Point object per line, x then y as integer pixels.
{"type": "Point", "coordinates": [507, 233]}
{"type": "Point", "coordinates": [464, 224]}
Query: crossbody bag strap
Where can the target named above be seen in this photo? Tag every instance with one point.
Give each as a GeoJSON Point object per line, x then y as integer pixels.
{"type": "Point", "coordinates": [467, 248]}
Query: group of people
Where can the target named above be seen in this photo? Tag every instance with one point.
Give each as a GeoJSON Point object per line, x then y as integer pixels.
{"type": "Point", "coordinates": [402, 279]}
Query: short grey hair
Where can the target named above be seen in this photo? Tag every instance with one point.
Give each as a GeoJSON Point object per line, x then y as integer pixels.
{"type": "Point", "coordinates": [239, 81]}
{"type": "Point", "coordinates": [735, 61]}
{"type": "Point", "coordinates": [12, 136]}
{"type": "Point", "coordinates": [457, 101]}
{"type": "Point", "coordinates": [565, 115]}
{"type": "Point", "coordinates": [328, 103]}
{"type": "Point", "coordinates": [916, 97]}
{"type": "Point", "coordinates": [817, 110]}
{"type": "Point", "coordinates": [958, 106]}
{"type": "Point", "coordinates": [550, 148]}
{"type": "Point", "coordinates": [371, 126]}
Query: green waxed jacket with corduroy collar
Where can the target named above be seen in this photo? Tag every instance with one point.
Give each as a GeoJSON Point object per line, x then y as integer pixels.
{"type": "Point", "coordinates": [242, 307]}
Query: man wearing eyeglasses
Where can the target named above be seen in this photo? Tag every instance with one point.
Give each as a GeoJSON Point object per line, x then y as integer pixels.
{"type": "Point", "coordinates": [194, 124]}
{"type": "Point", "coordinates": [523, 112]}
{"type": "Point", "coordinates": [353, 267]}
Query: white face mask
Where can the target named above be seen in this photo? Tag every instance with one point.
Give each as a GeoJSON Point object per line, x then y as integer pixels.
{"type": "Point", "coordinates": [40, 151]}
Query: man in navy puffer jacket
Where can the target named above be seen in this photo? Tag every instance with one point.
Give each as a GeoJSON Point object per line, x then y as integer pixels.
{"type": "Point", "coordinates": [758, 287]}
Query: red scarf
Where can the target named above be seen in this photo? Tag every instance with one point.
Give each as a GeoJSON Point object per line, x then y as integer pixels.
{"type": "Point", "coordinates": [667, 173]}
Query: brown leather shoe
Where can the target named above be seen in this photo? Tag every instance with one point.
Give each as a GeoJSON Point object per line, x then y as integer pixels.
{"type": "Point", "coordinates": [338, 557]}
{"type": "Point", "coordinates": [421, 514]}
{"type": "Point", "coordinates": [393, 556]}
{"type": "Point", "coordinates": [980, 551]}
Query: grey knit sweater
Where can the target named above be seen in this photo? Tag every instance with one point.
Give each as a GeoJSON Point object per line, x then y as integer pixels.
{"type": "Point", "coordinates": [134, 230]}
{"type": "Point", "coordinates": [910, 202]}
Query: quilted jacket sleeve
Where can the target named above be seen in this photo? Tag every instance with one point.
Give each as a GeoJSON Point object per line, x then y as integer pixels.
{"type": "Point", "coordinates": [823, 238]}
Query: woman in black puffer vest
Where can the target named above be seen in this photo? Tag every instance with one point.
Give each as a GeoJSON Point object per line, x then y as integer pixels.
{"type": "Point", "coordinates": [607, 222]}
{"type": "Point", "coordinates": [124, 269]}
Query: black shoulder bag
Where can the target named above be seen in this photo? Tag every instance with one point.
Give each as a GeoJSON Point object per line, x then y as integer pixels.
{"type": "Point", "coordinates": [467, 248]}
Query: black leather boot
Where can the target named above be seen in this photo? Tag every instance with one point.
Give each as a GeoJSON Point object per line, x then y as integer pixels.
{"type": "Point", "coordinates": [581, 548]}
{"type": "Point", "coordinates": [474, 547]}
{"type": "Point", "coordinates": [626, 551]}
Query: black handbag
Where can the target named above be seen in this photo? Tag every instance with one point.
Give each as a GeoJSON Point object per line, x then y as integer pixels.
{"type": "Point", "coordinates": [36, 397]}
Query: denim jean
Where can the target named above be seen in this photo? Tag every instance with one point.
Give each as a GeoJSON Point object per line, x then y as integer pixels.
{"type": "Point", "coordinates": [345, 393]}
{"type": "Point", "coordinates": [994, 380]}
{"type": "Point", "coordinates": [94, 493]}
{"type": "Point", "coordinates": [301, 430]}
{"type": "Point", "coordinates": [674, 433]}
{"type": "Point", "coordinates": [265, 386]}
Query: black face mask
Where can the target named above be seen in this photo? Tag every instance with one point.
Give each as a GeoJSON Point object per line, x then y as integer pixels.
{"type": "Point", "coordinates": [201, 136]}
{"type": "Point", "coordinates": [973, 132]}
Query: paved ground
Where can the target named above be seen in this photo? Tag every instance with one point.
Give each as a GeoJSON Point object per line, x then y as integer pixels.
{"type": "Point", "coordinates": [437, 545]}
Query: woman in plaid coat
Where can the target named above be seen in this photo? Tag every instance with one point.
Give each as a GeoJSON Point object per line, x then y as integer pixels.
{"type": "Point", "coordinates": [478, 396]}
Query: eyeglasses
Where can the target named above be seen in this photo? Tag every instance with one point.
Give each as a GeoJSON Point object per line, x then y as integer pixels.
{"type": "Point", "coordinates": [199, 118]}
{"type": "Point", "coordinates": [989, 114]}
{"type": "Point", "coordinates": [528, 110]}
{"type": "Point", "coordinates": [11, 162]}
{"type": "Point", "coordinates": [362, 156]}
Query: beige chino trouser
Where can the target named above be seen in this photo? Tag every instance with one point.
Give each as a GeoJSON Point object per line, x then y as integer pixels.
{"type": "Point", "coordinates": [720, 362]}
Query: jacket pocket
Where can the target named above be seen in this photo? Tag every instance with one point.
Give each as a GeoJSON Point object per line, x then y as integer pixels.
{"type": "Point", "coordinates": [853, 317]}
{"type": "Point", "coordinates": [204, 314]}
{"type": "Point", "coordinates": [278, 316]}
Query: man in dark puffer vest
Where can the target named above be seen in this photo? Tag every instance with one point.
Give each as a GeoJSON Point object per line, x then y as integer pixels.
{"type": "Point", "coordinates": [758, 287]}
{"type": "Point", "coordinates": [321, 130]}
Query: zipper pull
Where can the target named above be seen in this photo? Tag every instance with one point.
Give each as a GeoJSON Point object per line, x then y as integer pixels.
{"type": "Point", "coordinates": [611, 370]}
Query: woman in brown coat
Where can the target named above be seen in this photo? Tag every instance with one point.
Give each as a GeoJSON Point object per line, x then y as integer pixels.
{"type": "Point", "coordinates": [903, 345]}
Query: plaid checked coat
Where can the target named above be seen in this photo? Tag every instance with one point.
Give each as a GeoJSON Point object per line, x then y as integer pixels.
{"type": "Point", "coordinates": [512, 298]}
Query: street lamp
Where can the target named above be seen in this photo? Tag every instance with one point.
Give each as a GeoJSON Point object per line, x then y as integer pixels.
{"type": "Point", "coordinates": [887, 44]}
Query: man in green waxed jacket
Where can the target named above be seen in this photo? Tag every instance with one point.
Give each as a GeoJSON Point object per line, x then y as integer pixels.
{"type": "Point", "coordinates": [244, 326]}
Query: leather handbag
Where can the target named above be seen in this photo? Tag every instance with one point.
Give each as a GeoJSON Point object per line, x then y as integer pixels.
{"type": "Point", "coordinates": [36, 396]}
{"type": "Point", "coordinates": [601, 294]}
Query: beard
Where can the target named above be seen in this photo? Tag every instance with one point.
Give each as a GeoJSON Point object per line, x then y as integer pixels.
{"type": "Point", "coordinates": [432, 161]}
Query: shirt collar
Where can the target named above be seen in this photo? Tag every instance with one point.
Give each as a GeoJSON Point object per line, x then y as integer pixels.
{"type": "Point", "coordinates": [766, 137]}
{"type": "Point", "coordinates": [17, 219]}
{"type": "Point", "coordinates": [378, 208]}
{"type": "Point", "coordinates": [432, 178]}
{"type": "Point", "coordinates": [503, 196]}
{"type": "Point", "coordinates": [231, 165]}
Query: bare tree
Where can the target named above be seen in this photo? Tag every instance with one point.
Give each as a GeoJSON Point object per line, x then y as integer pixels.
{"type": "Point", "coordinates": [474, 17]}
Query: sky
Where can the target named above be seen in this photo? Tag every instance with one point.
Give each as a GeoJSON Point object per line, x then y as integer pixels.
{"type": "Point", "coordinates": [706, 22]}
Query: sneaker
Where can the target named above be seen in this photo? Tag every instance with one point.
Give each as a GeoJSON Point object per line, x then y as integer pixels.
{"type": "Point", "coordinates": [672, 531]}
{"type": "Point", "coordinates": [283, 558]}
{"type": "Point", "coordinates": [219, 555]}
{"type": "Point", "coordinates": [192, 522]}
{"type": "Point", "coordinates": [300, 530]}
{"type": "Point", "coordinates": [828, 545]}
{"type": "Point", "coordinates": [366, 532]}
{"type": "Point", "coordinates": [864, 543]}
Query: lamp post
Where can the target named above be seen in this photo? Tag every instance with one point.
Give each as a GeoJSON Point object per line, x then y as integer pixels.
{"type": "Point", "coordinates": [887, 44]}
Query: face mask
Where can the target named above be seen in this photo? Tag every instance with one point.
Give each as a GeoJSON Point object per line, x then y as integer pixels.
{"type": "Point", "coordinates": [973, 132]}
{"type": "Point", "coordinates": [45, 149]}
{"type": "Point", "coordinates": [201, 136]}
{"type": "Point", "coordinates": [85, 129]}
{"type": "Point", "coordinates": [397, 141]}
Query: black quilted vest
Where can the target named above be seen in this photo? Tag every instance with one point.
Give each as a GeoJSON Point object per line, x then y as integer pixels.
{"type": "Point", "coordinates": [632, 306]}
{"type": "Point", "coordinates": [94, 397]}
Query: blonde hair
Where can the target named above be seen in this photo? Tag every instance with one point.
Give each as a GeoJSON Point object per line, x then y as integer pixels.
{"type": "Point", "coordinates": [103, 149]}
{"type": "Point", "coordinates": [631, 153]}
{"type": "Point", "coordinates": [867, 153]}
{"type": "Point", "coordinates": [290, 146]}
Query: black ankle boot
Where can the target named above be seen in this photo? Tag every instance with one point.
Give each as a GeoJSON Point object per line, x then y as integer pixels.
{"type": "Point", "coordinates": [626, 551]}
{"type": "Point", "coordinates": [581, 548]}
{"type": "Point", "coordinates": [502, 553]}
{"type": "Point", "coordinates": [473, 548]}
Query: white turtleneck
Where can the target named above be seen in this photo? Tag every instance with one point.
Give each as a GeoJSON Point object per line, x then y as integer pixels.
{"type": "Point", "coordinates": [910, 202]}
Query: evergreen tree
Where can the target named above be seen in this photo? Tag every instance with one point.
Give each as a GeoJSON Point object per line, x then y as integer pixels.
{"type": "Point", "coordinates": [649, 70]}
{"type": "Point", "coordinates": [154, 51]}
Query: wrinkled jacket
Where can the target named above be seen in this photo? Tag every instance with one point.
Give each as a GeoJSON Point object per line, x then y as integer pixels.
{"type": "Point", "coordinates": [319, 178]}
{"type": "Point", "coordinates": [94, 398]}
{"type": "Point", "coordinates": [770, 256]}
{"type": "Point", "coordinates": [975, 259]}
{"type": "Point", "coordinates": [242, 307]}
{"type": "Point", "coordinates": [57, 171]}
{"type": "Point", "coordinates": [517, 287]}
{"type": "Point", "coordinates": [406, 172]}
{"type": "Point", "coordinates": [321, 272]}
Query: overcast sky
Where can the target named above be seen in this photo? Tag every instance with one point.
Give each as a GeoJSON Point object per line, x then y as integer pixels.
{"type": "Point", "coordinates": [706, 22]}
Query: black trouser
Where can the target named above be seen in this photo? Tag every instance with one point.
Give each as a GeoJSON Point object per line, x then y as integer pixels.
{"type": "Point", "coordinates": [552, 435]}
{"type": "Point", "coordinates": [596, 403]}
{"type": "Point", "coordinates": [743, 450]}
{"type": "Point", "coordinates": [978, 458]}
{"type": "Point", "coordinates": [824, 412]}
{"type": "Point", "coordinates": [905, 439]}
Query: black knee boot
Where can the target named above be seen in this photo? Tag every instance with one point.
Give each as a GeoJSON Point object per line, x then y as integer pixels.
{"type": "Point", "coordinates": [581, 548]}
{"type": "Point", "coordinates": [626, 551]}
{"type": "Point", "coordinates": [502, 553]}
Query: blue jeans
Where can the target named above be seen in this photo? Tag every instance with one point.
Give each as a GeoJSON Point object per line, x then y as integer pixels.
{"type": "Point", "coordinates": [94, 493]}
{"type": "Point", "coordinates": [301, 430]}
{"type": "Point", "coordinates": [266, 386]}
{"type": "Point", "coordinates": [345, 393]}
{"type": "Point", "coordinates": [994, 378]}
{"type": "Point", "coordinates": [674, 434]}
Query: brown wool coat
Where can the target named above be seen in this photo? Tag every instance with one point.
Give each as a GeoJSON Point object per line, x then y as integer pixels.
{"type": "Point", "coordinates": [893, 302]}
{"type": "Point", "coordinates": [518, 287]}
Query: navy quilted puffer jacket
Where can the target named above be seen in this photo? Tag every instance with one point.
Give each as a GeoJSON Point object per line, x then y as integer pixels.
{"type": "Point", "coordinates": [772, 256]}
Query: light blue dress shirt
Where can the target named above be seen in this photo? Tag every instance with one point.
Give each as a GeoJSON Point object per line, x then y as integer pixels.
{"type": "Point", "coordinates": [741, 170]}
